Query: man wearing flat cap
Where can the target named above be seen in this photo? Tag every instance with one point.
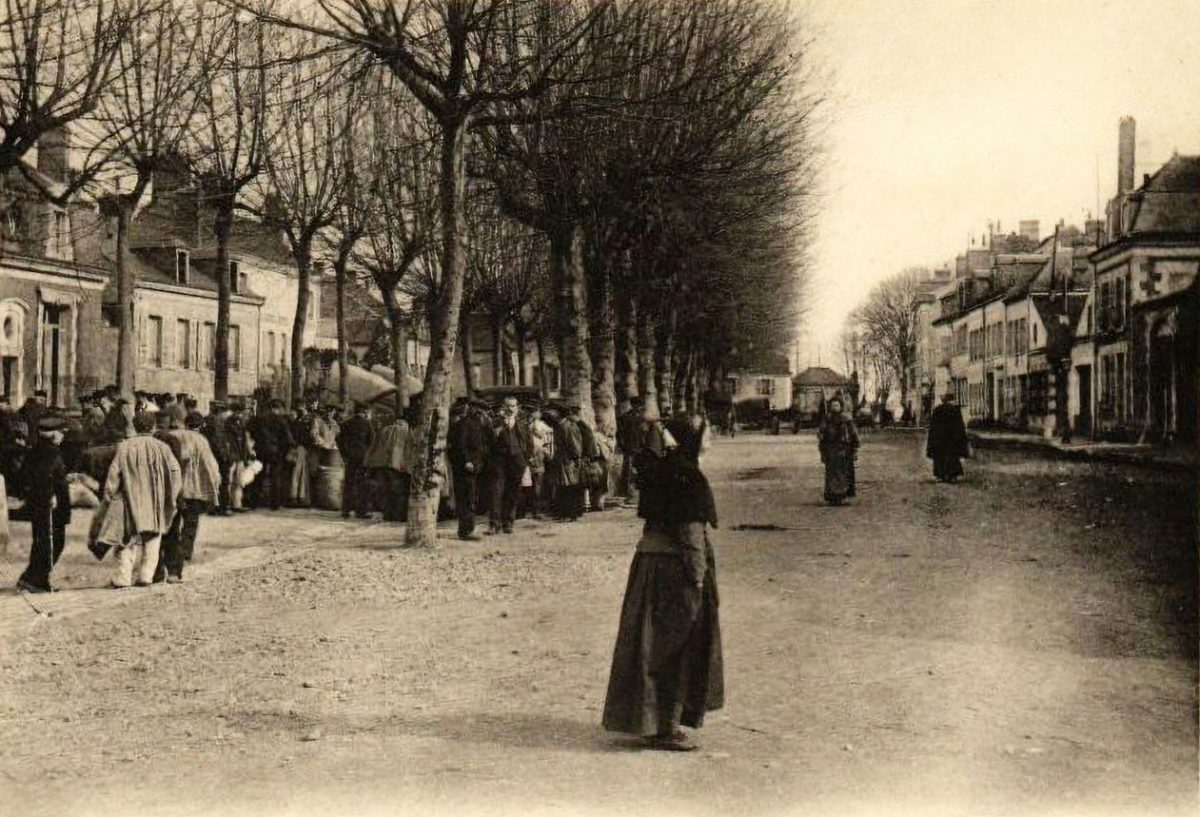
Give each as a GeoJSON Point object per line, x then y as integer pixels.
{"type": "Point", "coordinates": [49, 501]}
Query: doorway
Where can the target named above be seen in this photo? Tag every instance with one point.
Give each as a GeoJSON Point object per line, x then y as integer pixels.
{"type": "Point", "coordinates": [1083, 421]}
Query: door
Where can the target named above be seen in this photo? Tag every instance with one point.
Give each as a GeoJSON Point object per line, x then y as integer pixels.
{"type": "Point", "coordinates": [1083, 423]}
{"type": "Point", "coordinates": [52, 352]}
{"type": "Point", "coordinates": [989, 396]}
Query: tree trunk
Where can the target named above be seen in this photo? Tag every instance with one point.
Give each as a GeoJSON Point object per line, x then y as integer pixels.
{"type": "Point", "coordinates": [663, 371]}
{"type": "Point", "coordinates": [429, 469]}
{"type": "Point", "coordinates": [303, 258]}
{"type": "Point", "coordinates": [571, 317]}
{"type": "Point", "coordinates": [497, 350]}
{"type": "Point", "coordinates": [522, 354]}
{"type": "Point", "coordinates": [543, 386]}
{"type": "Point", "coordinates": [222, 226]}
{"type": "Point", "coordinates": [603, 352]}
{"type": "Point", "coordinates": [126, 288]}
{"type": "Point", "coordinates": [646, 375]}
{"type": "Point", "coordinates": [468, 355]}
{"type": "Point", "coordinates": [343, 349]}
{"type": "Point", "coordinates": [626, 347]}
{"type": "Point", "coordinates": [398, 335]}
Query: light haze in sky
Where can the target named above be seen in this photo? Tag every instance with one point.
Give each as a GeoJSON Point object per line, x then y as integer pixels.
{"type": "Point", "coordinates": [943, 115]}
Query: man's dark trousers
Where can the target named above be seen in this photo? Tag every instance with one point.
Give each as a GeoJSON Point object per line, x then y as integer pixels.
{"type": "Point", "coordinates": [179, 542]}
{"type": "Point", "coordinates": [464, 500]}
{"type": "Point", "coordinates": [356, 489]}
{"type": "Point", "coordinates": [506, 490]}
{"type": "Point", "coordinates": [49, 539]}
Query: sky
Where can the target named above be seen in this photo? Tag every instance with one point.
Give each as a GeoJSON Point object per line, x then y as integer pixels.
{"type": "Point", "coordinates": [943, 115]}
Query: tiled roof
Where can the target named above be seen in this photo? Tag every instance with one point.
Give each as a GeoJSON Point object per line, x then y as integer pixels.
{"type": "Point", "coordinates": [1170, 201]}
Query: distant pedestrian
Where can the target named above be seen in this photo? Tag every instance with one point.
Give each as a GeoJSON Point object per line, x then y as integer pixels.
{"type": "Point", "coordinates": [146, 477]}
{"type": "Point", "coordinates": [567, 467]}
{"type": "Point", "coordinates": [49, 502]}
{"type": "Point", "coordinates": [511, 451]}
{"type": "Point", "coordinates": [542, 438]}
{"type": "Point", "coordinates": [667, 667]}
{"type": "Point", "coordinates": [200, 477]}
{"type": "Point", "coordinates": [947, 440]}
{"type": "Point", "coordinates": [837, 441]}
{"type": "Point", "coordinates": [354, 441]}
{"type": "Point", "coordinates": [466, 450]}
{"type": "Point", "coordinates": [388, 463]}
{"type": "Point", "coordinates": [272, 433]}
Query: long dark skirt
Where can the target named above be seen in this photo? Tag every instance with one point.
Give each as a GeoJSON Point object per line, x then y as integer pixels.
{"type": "Point", "coordinates": [667, 667]}
{"type": "Point", "coordinates": [947, 466]}
{"type": "Point", "coordinates": [837, 477]}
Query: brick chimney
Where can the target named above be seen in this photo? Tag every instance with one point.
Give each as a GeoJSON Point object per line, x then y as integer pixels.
{"type": "Point", "coordinates": [1126, 145]}
{"type": "Point", "coordinates": [53, 153]}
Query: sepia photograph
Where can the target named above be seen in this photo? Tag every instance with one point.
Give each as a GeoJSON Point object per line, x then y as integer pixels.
{"type": "Point", "coordinates": [575, 408]}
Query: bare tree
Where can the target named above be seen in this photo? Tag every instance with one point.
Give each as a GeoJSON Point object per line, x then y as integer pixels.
{"type": "Point", "coordinates": [311, 110]}
{"type": "Point", "coordinates": [56, 60]}
{"type": "Point", "coordinates": [887, 323]}
{"type": "Point", "coordinates": [228, 143]}
{"type": "Point", "coordinates": [148, 104]}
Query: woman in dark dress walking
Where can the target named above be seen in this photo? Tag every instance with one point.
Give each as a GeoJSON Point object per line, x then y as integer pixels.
{"type": "Point", "coordinates": [837, 440]}
{"type": "Point", "coordinates": [947, 440]}
{"type": "Point", "coordinates": [667, 668]}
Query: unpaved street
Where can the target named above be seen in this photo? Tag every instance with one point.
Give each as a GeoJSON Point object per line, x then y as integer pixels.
{"type": "Point", "coordinates": [1022, 643]}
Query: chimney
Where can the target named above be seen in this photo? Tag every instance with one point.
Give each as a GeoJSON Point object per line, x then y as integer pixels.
{"type": "Point", "coordinates": [1031, 229]}
{"type": "Point", "coordinates": [53, 153]}
{"type": "Point", "coordinates": [1126, 144]}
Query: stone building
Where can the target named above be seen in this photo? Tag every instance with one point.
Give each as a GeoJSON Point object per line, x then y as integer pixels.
{"type": "Point", "coordinates": [1145, 304]}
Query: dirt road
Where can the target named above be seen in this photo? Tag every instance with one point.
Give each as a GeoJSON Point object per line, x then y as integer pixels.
{"type": "Point", "coordinates": [1021, 643]}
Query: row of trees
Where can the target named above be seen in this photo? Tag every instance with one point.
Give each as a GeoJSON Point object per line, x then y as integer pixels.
{"type": "Point", "coordinates": [624, 181]}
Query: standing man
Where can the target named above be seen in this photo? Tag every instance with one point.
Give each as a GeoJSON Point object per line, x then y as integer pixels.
{"type": "Point", "coordinates": [387, 461]}
{"type": "Point", "coordinates": [220, 442]}
{"type": "Point", "coordinates": [511, 451]}
{"type": "Point", "coordinates": [354, 441]}
{"type": "Point", "coordinates": [49, 503]}
{"type": "Point", "coordinates": [201, 485]}
{"type": "Point", "coordinates": [466, 448]}
{"type": "Point", "coordinates": [145, 475]}
{"type": "Point", "coordinates": [272, 434]}
{"type": "Point", "coordinates": [947, 440]}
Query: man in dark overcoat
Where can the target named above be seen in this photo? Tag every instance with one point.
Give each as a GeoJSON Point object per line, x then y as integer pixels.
{"type": "Point", "coordinates": [947, 440]}
{"type": "Point", "coordinates": [466, 449]}
{"type": "Point", "coordinates": [354, 440]}
{"type": "Point", "coordinates": [49, 501]}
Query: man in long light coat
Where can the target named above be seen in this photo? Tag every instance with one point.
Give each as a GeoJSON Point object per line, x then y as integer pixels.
{"type": "Point", "coordinates": [201, 486]}
{"type": "Point", "coordinates": [146, 476]}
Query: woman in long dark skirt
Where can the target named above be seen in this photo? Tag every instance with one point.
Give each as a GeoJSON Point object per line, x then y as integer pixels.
{"type": "Point", "coordinates": [667, 668]}
{"type": "Point", "coordinates": [837, 440]}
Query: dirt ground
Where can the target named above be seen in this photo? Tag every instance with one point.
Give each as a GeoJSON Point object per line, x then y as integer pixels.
{"type": "Point", "coordinates": [1021, 643]}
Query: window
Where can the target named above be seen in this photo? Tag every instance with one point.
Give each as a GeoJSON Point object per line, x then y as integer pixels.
{"type": "Point", "coordinates": [235, 278]}
{"type": "Point", "coordinates": [1035, 334]}
{"type": "Point", "coordinates": [209, 345]}
{"type": "Point", "coordinates": [269, 349]}
{"type": "Point", "coordinates": [182, 266]}
{"type": "Point", "coordinates": [731, 385]}
{"type": "Point", "coordinates": [235, 348]}
{"type": "Point", "coordinates": [766, 386]}
{"type": "Point", "coordinates": [155, 348]}
{"type": "Point", "coordinates": [242, 282]}
{"type": "Point", "coordinates": [183, 343]}
{"type": "Point", "coordinates": [284, 350]}
{"type": "Point", "coordinates": [61, 234]}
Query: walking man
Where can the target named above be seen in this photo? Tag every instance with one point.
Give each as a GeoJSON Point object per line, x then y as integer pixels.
{"type": "Point", "coordinates": [49, 501]}
{"type": "Point", "coordinates": [947, 440]}
{"type": "Point", "coordinates": [512, 449]}
{"type": "Point", "coordinates": [201, 481]}
{"type": "Point", "coordinates": [145, 476]}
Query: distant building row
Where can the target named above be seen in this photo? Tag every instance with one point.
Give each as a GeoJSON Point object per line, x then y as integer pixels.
{"type": "Point", "coordinates": [1085, 333]}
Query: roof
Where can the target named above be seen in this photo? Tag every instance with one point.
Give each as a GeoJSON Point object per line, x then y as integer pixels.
{"type": "Point", "coordinates": [200, 277]}
{"type": "Point", "coordinates": [820, 376]}
{"type": "Point", "coordinates": [1169, 201]}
